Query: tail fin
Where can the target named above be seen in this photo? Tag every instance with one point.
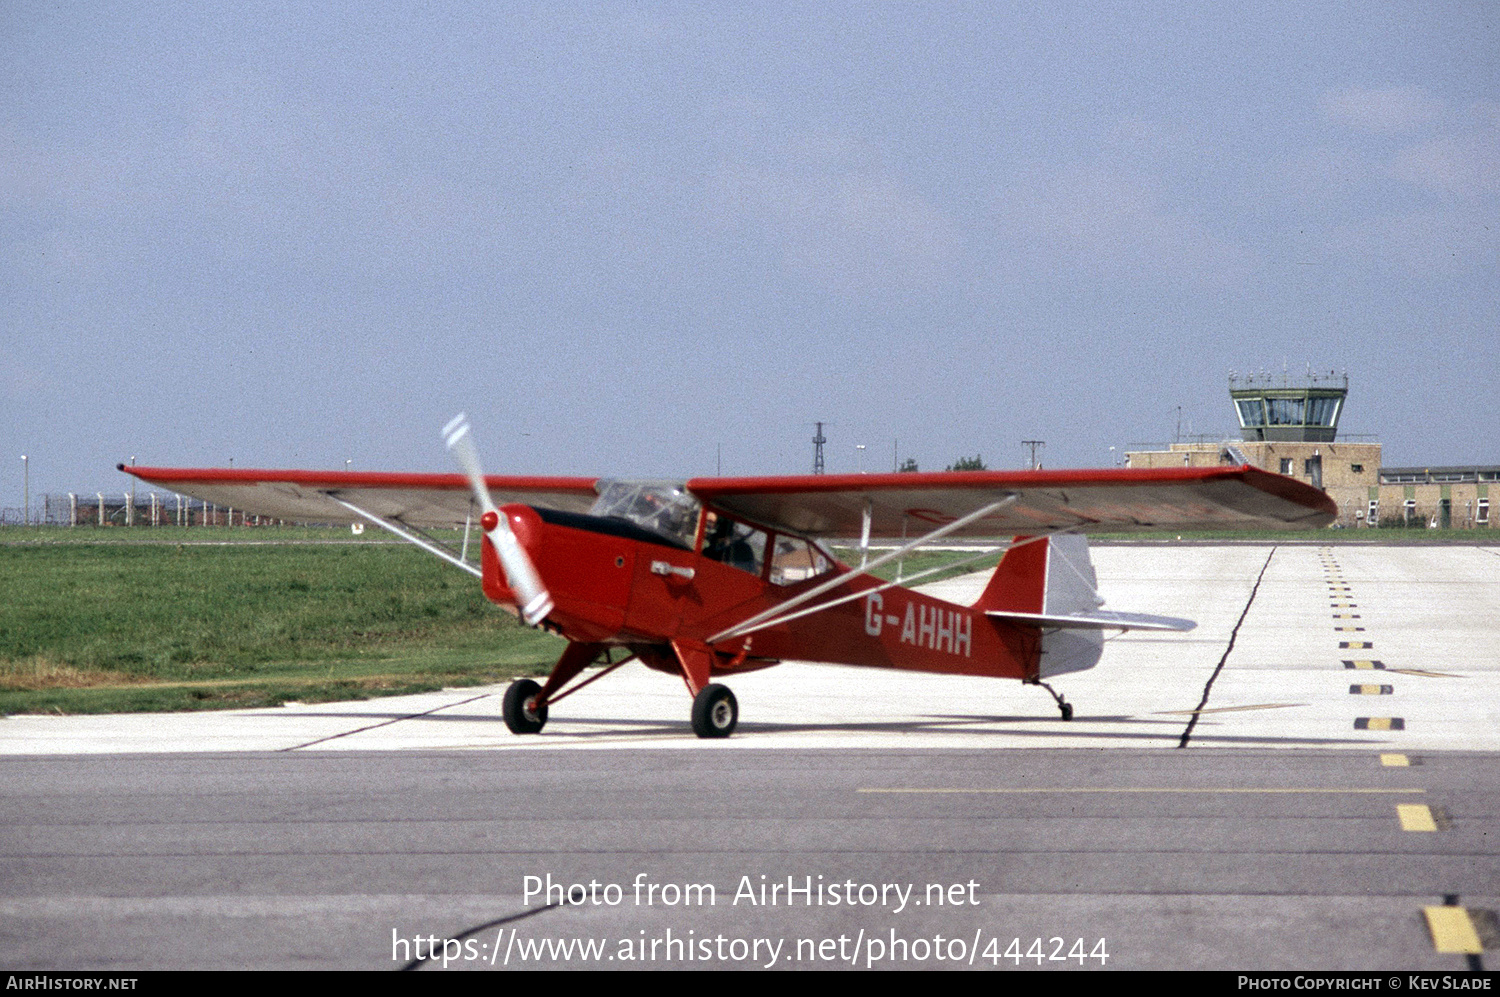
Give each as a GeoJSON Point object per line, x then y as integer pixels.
{"type": "Point", "coordinates": [1043, 577]}
{"type": "Point", "coordinates": [1050, 583]}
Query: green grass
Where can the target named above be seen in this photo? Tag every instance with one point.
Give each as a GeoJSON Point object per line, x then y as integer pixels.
{"type": "Point", "coordinates": [126, 625]}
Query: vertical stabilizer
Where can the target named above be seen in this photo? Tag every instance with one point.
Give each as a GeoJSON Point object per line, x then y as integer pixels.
{"type": "Point", "coordinates": [1049, 578]}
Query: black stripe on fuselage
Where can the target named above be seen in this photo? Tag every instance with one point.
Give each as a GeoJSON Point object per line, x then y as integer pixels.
{"type": "Point", "coordinates": [607, 525]}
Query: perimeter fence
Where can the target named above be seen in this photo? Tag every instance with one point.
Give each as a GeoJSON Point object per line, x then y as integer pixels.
{"type": "Point", "coordinates": [121, 509]}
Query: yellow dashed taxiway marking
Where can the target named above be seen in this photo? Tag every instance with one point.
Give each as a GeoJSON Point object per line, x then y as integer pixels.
{"type": "Point", "coordinates": [1453, 930]}
{"type": "Point", "coordinates": [1415, 817]}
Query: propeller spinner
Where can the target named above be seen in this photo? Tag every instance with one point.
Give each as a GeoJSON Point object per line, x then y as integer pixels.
{"type": "Point", "coordinates": [535, 602]}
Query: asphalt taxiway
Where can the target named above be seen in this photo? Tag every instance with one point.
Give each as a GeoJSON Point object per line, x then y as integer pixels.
{"type": "Point", "coordinates": [1308, 780]}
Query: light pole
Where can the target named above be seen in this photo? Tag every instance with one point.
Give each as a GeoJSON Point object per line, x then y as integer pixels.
{"type": "Point", "coordinates": [130, 516]}
{"type": "Point", "coordinates": [26, 490]}
{"type": "Point", "coordinates": [859, 450]}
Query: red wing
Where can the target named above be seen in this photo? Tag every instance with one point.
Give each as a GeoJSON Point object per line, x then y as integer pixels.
{"type": "Point", "coordinates": [422, 500]}
{"type": "Point", "coordinates": [1111, 500]}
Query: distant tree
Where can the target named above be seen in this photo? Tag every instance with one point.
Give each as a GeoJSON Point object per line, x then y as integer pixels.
{"type": "Point", "coordinates": [974, 463]}
{"type": "Point", "coordinates": [908, 465]}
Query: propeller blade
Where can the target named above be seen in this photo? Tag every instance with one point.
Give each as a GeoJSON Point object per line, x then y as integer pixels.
{"type": "Point", "coordinates": [520, 573]}
{"type": "Point", "coordinates": [461, 446]}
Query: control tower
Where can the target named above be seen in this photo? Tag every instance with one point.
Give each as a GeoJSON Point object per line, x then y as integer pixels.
{"type": "Point", "coordinates": [1288, 425]}
{"type": "Point", "coordinates": [1277, 409]}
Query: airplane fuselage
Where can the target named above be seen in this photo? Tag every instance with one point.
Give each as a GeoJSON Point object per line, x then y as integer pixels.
{"type": "Point", "coordinates": [617, 585]}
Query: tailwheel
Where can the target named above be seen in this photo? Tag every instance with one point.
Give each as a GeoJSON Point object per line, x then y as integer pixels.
{"type": "Point", "coordinates": [519, 709]}
{"type": "Point", "coordinates": [1063, 706]}
{"type": "Point", "coordinates": [715, 712]}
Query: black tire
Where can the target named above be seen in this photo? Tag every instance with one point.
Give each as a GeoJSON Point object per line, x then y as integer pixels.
{"type": "Point", "coordinates": [519, 716]}
{"type": "Point", "coordinates": [715, 712]}
{"type": "Point", "coordinates": [1067, 711]}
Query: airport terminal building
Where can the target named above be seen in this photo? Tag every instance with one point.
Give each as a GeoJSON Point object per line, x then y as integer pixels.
{"type": "Point", "coordinates": [1292, 429]}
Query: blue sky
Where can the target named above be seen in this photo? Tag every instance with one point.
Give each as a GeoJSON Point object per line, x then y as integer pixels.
{"type": "Point", "coordinates": [628, 238]}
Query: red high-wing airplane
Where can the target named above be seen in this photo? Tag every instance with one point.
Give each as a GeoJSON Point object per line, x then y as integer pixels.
{"type": "Point", "coordinates": [716, 576]}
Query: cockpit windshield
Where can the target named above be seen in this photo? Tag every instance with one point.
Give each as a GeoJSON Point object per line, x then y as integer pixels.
{"type": "Point", "coordinates": [663, 507]}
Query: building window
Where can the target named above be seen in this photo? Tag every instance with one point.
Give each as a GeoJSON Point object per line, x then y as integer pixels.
{"type": "Point", "coordinates": [1286, 465]}
{"type": "Point", "coordinates": [1373, 516]}
{"type": "Point", "coordinates": [1482, 515]}
{"type": "Point", "coordinates": [1357, 468]}
{"type": "Point", "coordinates": [1323, 411]}
{"type": "Point", "coordinates": [1285, 411]}
{"type": "Point", "coordinates": [1409, 511]}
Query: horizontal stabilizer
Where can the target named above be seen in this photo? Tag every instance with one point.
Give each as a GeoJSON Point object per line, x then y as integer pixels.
{"type": "Point", "coordinates": [1098, 619]}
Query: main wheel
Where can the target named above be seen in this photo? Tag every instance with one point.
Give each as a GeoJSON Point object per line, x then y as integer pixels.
{"type": "Point", "coordinates": [521, 714]}
{"type": "Point", "coordinates": [715, 712]}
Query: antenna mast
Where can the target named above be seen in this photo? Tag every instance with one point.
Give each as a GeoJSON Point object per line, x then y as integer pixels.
{"type": "Point", "coordinates": [818, 442]}
{"type": "Point", "coordinates": [1034, 444]}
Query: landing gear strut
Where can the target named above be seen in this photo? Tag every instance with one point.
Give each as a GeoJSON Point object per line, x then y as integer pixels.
{"type": "Point", "coordinates": [1063, 706]}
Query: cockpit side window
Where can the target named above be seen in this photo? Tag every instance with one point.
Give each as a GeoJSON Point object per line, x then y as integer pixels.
{"type": "Point", "coordinates": [796, 560]}
{"type": "Point", "coordinates": [738, 545]}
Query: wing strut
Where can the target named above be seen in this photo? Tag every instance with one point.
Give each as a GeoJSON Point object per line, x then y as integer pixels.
{"type": "Point", "coordinates": [862, 593]}
{"type": "Point", "coordinates": [407, 535]}
{"type": "Point", "coordinates": [864, 534]}
{"type": "Point", "coordinates": [745, 626]}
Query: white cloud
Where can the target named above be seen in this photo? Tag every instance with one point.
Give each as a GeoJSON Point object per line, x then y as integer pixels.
{"type": "Point", "coordinates": [1108, 222]}
{"type": "Point", "coordinates": [1423, 244]}
{"type": "Point", "coordinates": [1387, 111]}
{"type": "Point", "coordinates": [234, 166]}
{"type": "Point", "coordinates": [1462, 163]}
{"type": "Point", "coordinates": [1459, 155]}
{"type": "Point", "coordinates": [845, 228]}
{"type": "Point", "coordinates": [1321, 172]}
